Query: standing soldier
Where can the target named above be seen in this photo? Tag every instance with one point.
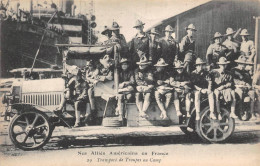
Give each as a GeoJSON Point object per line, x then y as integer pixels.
{"type": "Point", "coordinates": [180, 80]}
{"type": "Point", "coordinates": [106, 32]}
{"type": "Point", "coordinates": [154, 46]}
{"type": "Point", "coordinates": [232, 46]}
{"type": "Point", "coordinates": [169, 48]}
{"type": "Point", "coordinates": [202, 82]}
{"type": "Point", "coordinates": [215, 51]}
{"type": "Point", "coordinates": [223, 85]}
{"type": "Point", "coordinates": [243, 78]}
{"type": "Point", "coordinates": [118, 38]}
{"type": "Point", "coordinates": [162, 87]}
{"type": "Point", "coordinates": [139, 44]}
{"type": "Point", "coordinates": [125, 88]}
{"type": "Point", "coordinates": [187, 48]}
{"type": "Point", "coordinates": [145, 84]}
{"type": "Point", "coordinates": [91, 79]}
{"type": "Point", "coordinates": [247, 46]}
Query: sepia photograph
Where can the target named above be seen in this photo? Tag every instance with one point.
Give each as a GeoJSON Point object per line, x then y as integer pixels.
{"type": "Point", "coordinates": [129, 82]}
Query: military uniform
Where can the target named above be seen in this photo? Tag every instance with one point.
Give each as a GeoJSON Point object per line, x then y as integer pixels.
{"type": "Point", "coordinates": [162, 87]}
{"type": "Point", "coordinates": [214, 52]}
{"type": "Point", "coordinates": [182, 85]}
{"type": "Point", "coordinates": [187, 52]}
{"type": "Point", "coordinates": [169, 49]}
{"type": "Point", "coordinates": [154, 46]}
{"type": "Point", "coordinates": [232, 51]}
{"type": "Point", "coordinates": [248, 48]}
{"type": "Point", "coordinates": [202, 82]}
{"type": "Point", "coordinates": [145, 84]}
{"type": "Point", "coordinates": [223, 84]}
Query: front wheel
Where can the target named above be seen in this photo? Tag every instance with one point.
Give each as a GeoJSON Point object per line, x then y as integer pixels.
{"type": "Point", "coordinates": [215, 131]}
{"type": "Point", "coordinates": [30, 130]}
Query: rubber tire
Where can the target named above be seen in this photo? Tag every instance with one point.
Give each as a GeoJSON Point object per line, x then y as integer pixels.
{"type": "Point", "coordinates": [111, 122]}
{"type": "Point", "coordinates": [18, 145]}
{"type": "Point", "coordinates": [199, 132]}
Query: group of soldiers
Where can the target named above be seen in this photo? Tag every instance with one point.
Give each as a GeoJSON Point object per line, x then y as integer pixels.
{"type": "Point", "coordinates": [167, 70]}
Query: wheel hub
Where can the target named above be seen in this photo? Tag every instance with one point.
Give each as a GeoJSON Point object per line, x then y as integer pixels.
{"type": "Point", "coordinates": [215, 124]}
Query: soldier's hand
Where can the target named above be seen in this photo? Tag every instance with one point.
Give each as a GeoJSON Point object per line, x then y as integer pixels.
{"type": "Point", "coordinates": [204, 91]}
{"type": "Point", "coordinates": [140, 75]}
{"type": "Point", "coordinates": [159, 82]}
{"type": "Point", "coordinates": [208, 78]}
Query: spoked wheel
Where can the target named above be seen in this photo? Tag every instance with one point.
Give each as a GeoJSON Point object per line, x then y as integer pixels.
{"type": "Point", "coordinates": [30, 130]}
{"type": "Point", "coordinates": [215, 130]}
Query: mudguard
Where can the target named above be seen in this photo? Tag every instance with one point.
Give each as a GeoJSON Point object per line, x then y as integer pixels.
{"type": "Point", "coordinates": [19, 108]}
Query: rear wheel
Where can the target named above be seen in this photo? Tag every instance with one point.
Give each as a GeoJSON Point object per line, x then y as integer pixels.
{"type": "Point", "coordinates": [30, 130]}
{"type": "Point", "coordinates": [215, 130]}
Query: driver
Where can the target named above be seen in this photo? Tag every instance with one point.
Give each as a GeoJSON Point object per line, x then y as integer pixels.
{"type": "Point", "coordinates": [242, 78]}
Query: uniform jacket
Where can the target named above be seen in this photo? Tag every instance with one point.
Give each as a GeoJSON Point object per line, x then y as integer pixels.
{"type": "Point", "coordinates": [104, 73]}
{"type": "Point", "coordinates": [154, 50]}
{"type": "Point", "coordinates": [144, 77]}
{"type": "Point", "coordinates": [163, 76]}
{"type": "Point", "coordinates": [169, 48]}
{"type": "Point", "coordinates": [139, 42]}
{"type": "Point", "coordinates": [233, 49]}
{"type": "Point", "coordinates": [127, 77]}
{"type": "Point", "coordinates": [224, 79]}
{"type": "Point", "coordinates": [198, 79]}
{"type": "Point", "coordinates": [78, 88]}
{"type": "Point", "coordinates": [248, 48]}
{"type": "Point", "coordinates": [90, 76]}
{"type": "Point", "coordinates": [177, 78]}
{"type": "Point", "coordinates": [187, 45]}
{"type": "Point", "coordinates": [241, 77]}
{"type": "Point", "coordinates": [214, 52]}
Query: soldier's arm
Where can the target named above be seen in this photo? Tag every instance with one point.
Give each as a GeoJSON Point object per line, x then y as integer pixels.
{"type": "Point", "coordinates": [208, 54]}
{"type": "Point", "coordinates": [139, 81]}
{"type": "Point", "coordinates": [174, 83]}
{"type": "Point", "coordinates": [252, 50]}
{"type": "Point", "coordinates": [182, 44]}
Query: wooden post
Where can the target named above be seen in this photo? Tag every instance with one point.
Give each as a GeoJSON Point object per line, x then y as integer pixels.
{"type": "Point", "coordinates": [116, 77]}
{"type": "Point", "coordinates": [177, 31]}
{"type": "Point", "coordinates": [256, 43]}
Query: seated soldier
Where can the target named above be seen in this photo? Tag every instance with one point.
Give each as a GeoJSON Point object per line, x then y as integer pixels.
{"type": "Point", "coordinates": [81, 88]}
{"type": "Point", "coordinates": [125, 89]}
{"type": "Point", "coordinates": [145, 84]}
{"type": "Point", "coordinates": [162, 87]}
{"type": "Point", "coordinates": [223, 84]}
{"type": "Point", "coordinates": [180, 80]}
{"type": "Point", "coordinates": [243, 78]}
{"type": "Point", "coordinates": [202, 83]}
{"type": "Point", "coordinates": [91, 79]}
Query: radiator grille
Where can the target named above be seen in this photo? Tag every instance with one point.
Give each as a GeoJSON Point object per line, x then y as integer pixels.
{"type": "Point", "coordinates": [42, 99]}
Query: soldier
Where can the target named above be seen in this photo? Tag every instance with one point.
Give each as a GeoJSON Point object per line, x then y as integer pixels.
{"type": "Point", "coordinates": [180, 80]}
{"type": "Point", "coordinates": [105, 71]}
{"type": "Point", "coordinates": [223, 84]}
{"type": "Point", "coordinates": [169, 48]}
{"type": "Point", "coordinates": [163, 88]}
{"type": "Point", "coordinates": [243, 78]}
{"type": "Point", "coordinates": [81, 88]}
{"type": "Point", "coordinates": [154, 46]}
{"type": "Point", "coordinates": [125, 88]}
{"type": "Point", "coordinates": [145, 84]}
{"type": "Point", "coordinates": [232, 46]}
{"type": "Point", "coordinates": [215, 51]}
{"type": "Point", "coordinates": [202, 83]}
{"type": "Point", "coordinates": [187, 48]}
{"type": "Point", "coordinates": [91, 79]}
{"type": "Point", "coordinates": [139, 44]}
{"type": "Point", "coordinates": [106, 32]}
{"type": "Point", "coordinates": [118, 38]}
{"type": "Point", "coordinates": [247, 46]}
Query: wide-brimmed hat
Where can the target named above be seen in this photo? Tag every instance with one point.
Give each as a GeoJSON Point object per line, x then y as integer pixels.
{"type": "Point", "coordinates": [199, 61]}
{"type": "Point", "coordinates": [161, 62]}
{"type": "Point", "coordinates": [192, 27]}
{"type": "Point", "coordinates": [222, 61]}
{"type": "Point", "coordinates": [114, 26]}
{"type": "Point", "coordinates": [168, 28]}
{"type": "Point", "coordinates": [143, 61]}
{"type": "Point", "coordinates": [217, 35]}
{"type": "Point", "coordinates": [244, 32]}
{"type": "Point", "coordinates": [229, 31]}
{"type": "Point", "coordinates": [138, 23]}
{"type": "Point", "coordinates": [105, 30]}
{"type": "Point", "coordinates": [178, 65]}
{"type": "Point", "coordinates": [153, 31]}
{"type": "Point", "coordinates": [124, 60]}
{"type": "Point", "coordinates": [241, 59]}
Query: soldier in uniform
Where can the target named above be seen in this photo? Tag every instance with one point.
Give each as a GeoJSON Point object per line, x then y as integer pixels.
{"type": "Point", "coordinates": [180, 80]}
{"type": "Point", "coordinates": [232, 46]}
{"type": "Point", "coordinates": [169, 48]}
{"type": "Point", "coordinates": [81, 88]}
{"type": "Point", "coordinates": [139, 44]}
{"type": "Point", "coordinates": [154, 46]}
{"type": "Point", "coordinates": [145, 84]}
{"type": "Point", "coordinates": [215, 51]}
{"type": "Point", "coordinates": [247, 46]}
{"type": "Point", "coordinates": [163, 89]}
{"type": "Point", "coordinates": [243, 78]}
{"type": "Point", "coordinates": [118, 38]}
{"type": "Point", "coordinates": [105, 69]}
{"type": "Point", "coordinates": [187, 48]}
{"type": "Point", "coordinates": [202, 83]}
{"type": "Point", "coordinates": [125, 88]}
{"type": "Point", "coordinates": [106, 32]}
{"type": "Point", "coordinates": [223, 84]}
{"type": "Point", "coordinates": [91, 74]}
